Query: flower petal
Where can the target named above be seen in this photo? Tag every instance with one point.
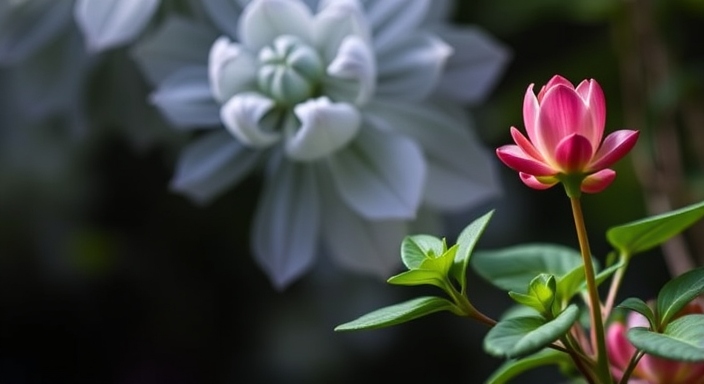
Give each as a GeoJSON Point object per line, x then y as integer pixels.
{"type": "Point", "coordinates": [109, 23]}
{"type": "Point", "coordinates": [562, 113]}
{"type": "Point", "coordinates": [558, 80]}
{"type": "Point", "coordinates": [597, 182]}
{"type": "Point", "coordinates": [185, 99]}
{"type": "Point", "coordinates": [28, 26]}
{"type": "Point", "coordinates": [225, 14]}
{"type": "Point", "coordinates": [176, 44]}
{"type": "Point", "coordinates": [615, 146]}
{"type": "Point", "coordinates": [380, 175]}
{"type": "Point", "coordinates": [242, 116]}
{"type": "Point", "coordinates": [412, 67]}
{"type": "Point", "coordinates": [461, 172]}
{"type": "Point", "coordinates": [535, 183]}
{"type": "Point", "coordinates": [593, 96]}
{"type": "Point", "coordinates": [336, 20]}
{"type": "Point", "coordinates": [264, 20]}
{"type": "Point", "coordinates": [475, 65]}
{"type": "Point", "coordinates": [287, 223]}
{"type": "Point", "coordinates": [525, 145]}
{"type": "Point", "coordinates": [210, 165]}
{"type": "Point", "coordinates": [530, 117]}
{"type": "Point", "coordinates": [573, 153]}
{"type": "Point", "coordinates": [355, 62]}
{"type": "Point", "coordinates": [231, 69]}
{"type": "Point", "coordinates": [357, 244]}
{"type": "Point", "coordinates": [514, 157]}
{"type": "Point", "coordinates": [325, 128]}
{"type": "Point", "coordinates": [619, 349]}
{"type": "Point", "coordinates": [394, 19]}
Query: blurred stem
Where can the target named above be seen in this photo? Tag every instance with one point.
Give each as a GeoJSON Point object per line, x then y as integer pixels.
{"type": "Point", "coordinates": [597, 324]}
{"type": "Point", "coordinates": [631, 366]}
{"type": "Point", "coordinates": [580, 361]}
{"type": "Point", "coordinates": [645, 66]}
{"type": "Point", "coordinates": [615, 285]}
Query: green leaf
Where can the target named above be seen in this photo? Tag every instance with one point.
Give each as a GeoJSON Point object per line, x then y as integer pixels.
{"type": "Point", "coordinates": [641, 235]}
{"type": "Point", "coordinates": [527, 300]}
{"type": "Point", "coordinates": [513, 268]}
{"type": "Point", "coordinates": [399, 313]}
{"type": "Point", "coordinates": [513, 368]}
{"type": "Point", "coordinates": [521, 336]}
{"type": "Point", "coordinates": [419, 277]}
{"type": "Point", "coordinates": [638, 305]}
{"type": "Point", "coordinates": [541, 294]}
{"type": "Point", "coordinates": [683, 339]}
{"type": "Point", "coordinates": [416, 248]}
{"type": "Point", "coordinates": [433, 271]}
{"type": "Point", "coordinates": [467, 240]}
{"type": "Point", "coordinates": [441, 263]}
{"type": "Point", "coordinates": [678, 292]}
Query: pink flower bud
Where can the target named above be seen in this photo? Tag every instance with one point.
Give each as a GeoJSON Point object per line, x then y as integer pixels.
{"type": "Point", "coordinates": [565, 127]}
{"type": "Point", "coordinates": [650, 369]}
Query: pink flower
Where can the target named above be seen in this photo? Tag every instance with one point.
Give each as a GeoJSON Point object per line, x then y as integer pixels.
{"type": "Point", "coordinates": [565, 127]}
{"type": "Point", "coordinates": [650, 369]}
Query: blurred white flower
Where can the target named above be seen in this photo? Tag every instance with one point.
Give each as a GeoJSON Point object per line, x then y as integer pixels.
{"type": "Point", "coordinates": [28, 25]}
{"type": "Point", "coordinates": [353, 109]}
{"type": "Point", "coordinates": [110, 23]}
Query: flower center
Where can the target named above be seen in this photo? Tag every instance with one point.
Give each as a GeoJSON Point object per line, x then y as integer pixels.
{"type": "Point", "coordinates": [290, 70]}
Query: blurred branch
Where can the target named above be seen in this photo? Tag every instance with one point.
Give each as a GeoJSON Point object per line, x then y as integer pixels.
{"type": "Point", "coordinates": [645, 66]}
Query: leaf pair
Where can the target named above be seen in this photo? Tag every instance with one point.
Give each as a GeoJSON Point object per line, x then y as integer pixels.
{"type": "Point", "coordinates": [670, 336]}
{"type": "Point", "coordinates": [429, 262]}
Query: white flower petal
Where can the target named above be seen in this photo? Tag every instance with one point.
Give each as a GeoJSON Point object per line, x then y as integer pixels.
{"type": "Point", "coordinates": [412, 68]}
{"type": "Point", "coordinates": [475, 66]}
{"type": "Point", "coordinates": [27, 27]}
{"type": "Point", "coordinates": [185, 99]}
{"type": "Point", "coordinates": [287, 223]}
{"type": "Point", "coordinates": [211, 164]}
{"type": "Point", "coordinates": [231, 69]}
{"type": "Point", "coordinates": [337, 19]}
{"type": "Point", "coordinates": [225, 14]}
{"type": "Point", "coordinates": [370, 247]}
{"type": "Point", "coordinates": [242, 116]}
{"type": "Point", "coordinates": [109, 23]}
{"type": "Point", "coordinates": [176, 44]}
{"type": "Point", "coordinates": [355, 61]}
{"type": "Point", "coordinates": [380, 175]}
{"type": "Point", "coordinates": [325, 128]}
{"type": "Point", "coordinates": [461, 173]}
{"type": "Point", "coordinates": [264, 20]}
{"type": "Point", "coordinates": [394, 19]}
{"type": "Point", "coordinates": [440, 12]}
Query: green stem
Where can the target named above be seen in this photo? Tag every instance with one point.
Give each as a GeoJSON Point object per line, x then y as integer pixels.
{"type": "Point", "coordinates": [615, 285]}
{"type": "Point", "coordinates": [631, 366]}
{"type": "Point", "coordinates": [579, 360]}
{"type": "Point", "coordinates": [597, 323]}
{"type": "Point", "coordinates": [463, 302]}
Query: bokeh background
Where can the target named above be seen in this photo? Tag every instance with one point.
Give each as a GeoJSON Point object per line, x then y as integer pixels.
{"type": "Point", "coordinates": [108, 277]}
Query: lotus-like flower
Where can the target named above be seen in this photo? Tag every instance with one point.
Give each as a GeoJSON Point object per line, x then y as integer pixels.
{"type": "Point", "coordinates": [565, 126]}
{"type": "Point", "coordinates": [352, 108]}
{"type": "Point", "coordinates": [650, 369]}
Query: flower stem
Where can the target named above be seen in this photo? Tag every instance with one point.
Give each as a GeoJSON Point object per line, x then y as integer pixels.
{"type": "Point", "coordinates": [597, 323]}
{"type": "Point", "coordinates": [615, 285]}
{"type": "Point", "coordinates": [631, 366]}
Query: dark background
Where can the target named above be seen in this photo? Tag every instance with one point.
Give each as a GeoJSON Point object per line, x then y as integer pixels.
{"type": "Point", "coordinates": [107, 277]}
